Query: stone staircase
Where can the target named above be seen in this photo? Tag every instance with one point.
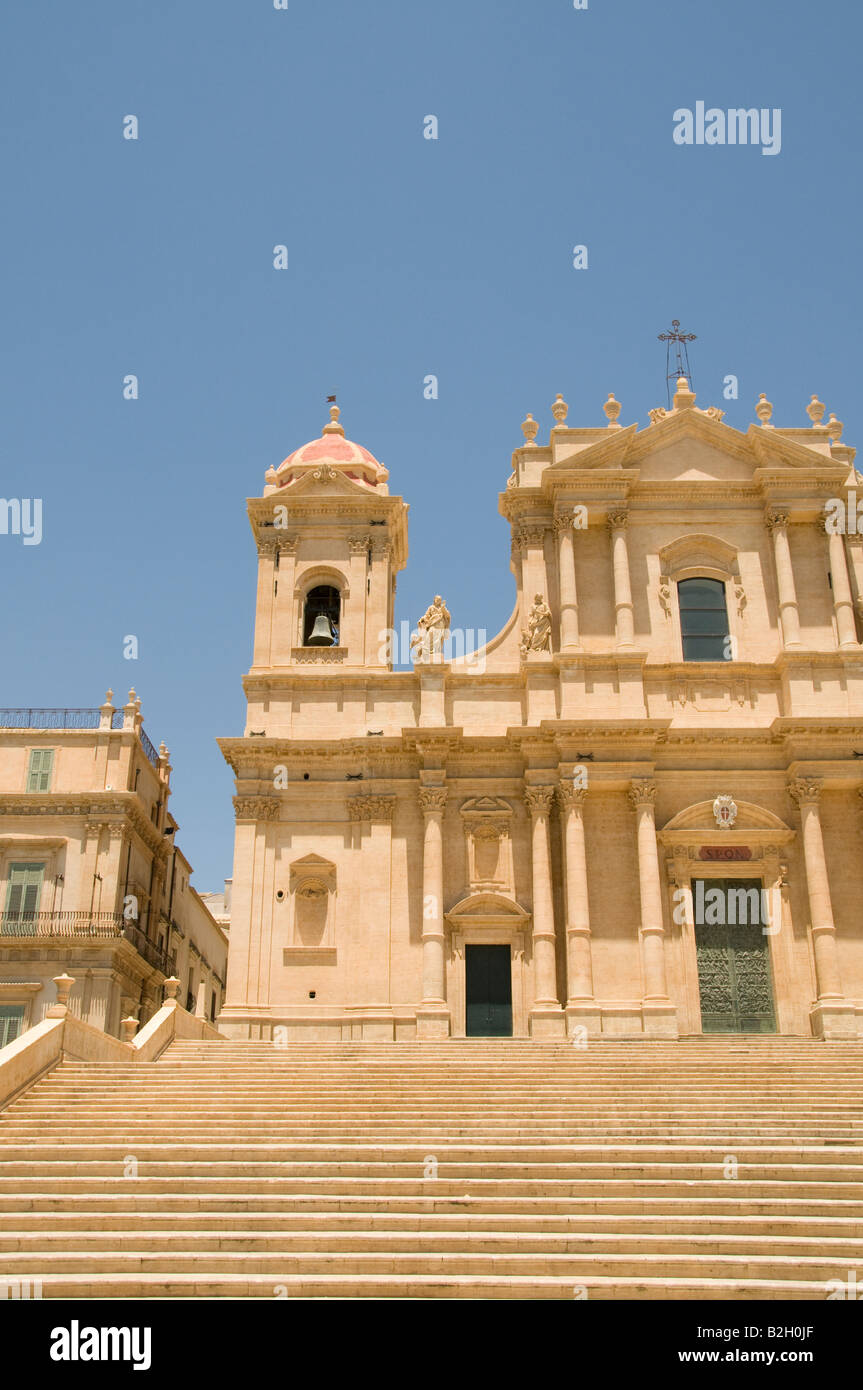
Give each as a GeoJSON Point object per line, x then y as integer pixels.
{"type": "Point", "coordinates": [710, 1168]}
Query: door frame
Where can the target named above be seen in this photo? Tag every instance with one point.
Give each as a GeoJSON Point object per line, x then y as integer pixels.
{"type": "Point", "coordinates": [756, 880]}
{"type": "Point", "coordinates": [765, 866]}
{"type": "Point", "coordinates": [485, 936]}
{"type": "Point", "coordinates": [487, 919]}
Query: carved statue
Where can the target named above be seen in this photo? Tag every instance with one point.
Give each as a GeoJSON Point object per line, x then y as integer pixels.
{"type": "Point", "coordinates": [427, 642]}
{"type": "Point", "coordinates": [536, 637]}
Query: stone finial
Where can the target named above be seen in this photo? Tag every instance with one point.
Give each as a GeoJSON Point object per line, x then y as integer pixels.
{"type": "Point", "coordinates": [684, 399]}
{"type": "Point", "coordinates": [172, 984]}
{"type": "Point", "coordinates": [815, 410]}
{"type": "Point", "coordinates": [529, 427]}
{"type": "Point", "coordinates": [559, 410]}
{"type": "Point", "coordinates": [130, 1027]}
{"type": "Point", "coordinates": [834, 429]}
{"type": "Point", "coordinates": [106, 711]}
{"type": "Point", "coordinates": [63, 985]}
{"type": "Point", "coordinates": [132, 697]}
{"type": "Point", "coordinates": [764, 411]}
{"type": "Point", "coordinates": [333, 427]}
{"type": "Point", "coordinates": [612, 409]}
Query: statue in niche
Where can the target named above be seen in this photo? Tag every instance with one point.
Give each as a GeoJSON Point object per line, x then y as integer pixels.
{"type": "Point", "coordinates": [432, 628]}
{"type": "Point", "coordinates": [536, 637]}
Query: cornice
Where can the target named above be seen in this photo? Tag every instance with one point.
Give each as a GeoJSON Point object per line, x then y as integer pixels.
{"type": "Point", "coordinates": [95, 806]}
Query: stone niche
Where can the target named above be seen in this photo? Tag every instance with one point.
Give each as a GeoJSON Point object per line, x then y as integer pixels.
{"type": "Point", "coordinates": [312, 904]}
{"type": "Point", "coordinates": [488, 843]}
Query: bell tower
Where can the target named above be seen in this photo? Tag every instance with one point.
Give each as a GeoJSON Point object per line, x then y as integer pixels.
{"type": "Point", "coordinates": [331, 541]}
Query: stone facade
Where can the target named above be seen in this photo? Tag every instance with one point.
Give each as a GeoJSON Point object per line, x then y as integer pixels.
{"type": "Point", "coordinates": [91, 882]}
{"type": "Point", "coordinates": [672, 716]}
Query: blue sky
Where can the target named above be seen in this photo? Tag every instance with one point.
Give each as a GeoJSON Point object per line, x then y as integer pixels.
{"type": "Point", "coordinates": [407, 257]}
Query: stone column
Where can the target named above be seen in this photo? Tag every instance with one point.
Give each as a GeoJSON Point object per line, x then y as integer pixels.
{"type": "Point", "coordinates": [843, 604]}
{"type": "Point", "coordinates": [433, 1016]}
{"type": "Point", "coordinates": [531, 541]}
{"type": "Point", "coordinates": [284, 634]}
{"type": "Point", "coordinates": [581, 1007]}
{"type": "Point", "coordinates": [624, 621]}
{"type": "Point", "coordinates": [267, 549]}
{"type": "Point", "coordinates": [659, 1015]}
{"type": "Point", "coordinates": [831, 1015]}
{"type": "Point", "coordinates": [789, 616]}
{"type": "Point", "coordinates": [90, 884]}
{"type": "Point", "coordinates": [353, 628]}
{"type": "Point", "coordinates": [377, 601]}
{"type": "Point", "coordinates": [564, 531]}
{"type": "Point", "coordinates": [546, 1016]}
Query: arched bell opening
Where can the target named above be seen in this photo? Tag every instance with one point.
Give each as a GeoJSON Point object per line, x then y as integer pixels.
{"type": "Point", "coordinates": [322, 617]}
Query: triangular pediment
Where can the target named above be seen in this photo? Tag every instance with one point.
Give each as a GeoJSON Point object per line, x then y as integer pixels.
{"type": "Point", "coordinates": [694, 459]}
{"type": "Point", "coordinates": [491, 805]}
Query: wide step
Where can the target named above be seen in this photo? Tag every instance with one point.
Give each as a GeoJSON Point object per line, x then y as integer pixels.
{"type": "Point", "coordinates": [724, 1169]}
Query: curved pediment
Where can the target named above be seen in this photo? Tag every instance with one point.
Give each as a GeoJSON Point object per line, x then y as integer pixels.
{"type": "Point", "coordinates": [698, 551]}
{"type": "Point", "coordinates": [700, 817]}
{"type": "Point", "coordinates": [492, 909]}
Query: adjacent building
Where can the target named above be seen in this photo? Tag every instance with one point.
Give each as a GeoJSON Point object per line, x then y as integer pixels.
{"type": "Point", "coordinates": [91, 882]}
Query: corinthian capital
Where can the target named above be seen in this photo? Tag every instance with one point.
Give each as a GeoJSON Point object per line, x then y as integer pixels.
{"type": "Point", "coordinates": [617, 519]}
{"type": "Point", "coordinates": [432, 800]}
{"type": "Point", "coordinates": [806, 791]}
{"type": "Point", "coordinates": [776, 518]}
{"type": "Point", "coordinates": [530, 536]}
{"type": "Point", "coordinates": [538, 800]}
{"type": "Point", "coordinates": [642, 793]}
{"type": "Point", "coordinates": [569, 795]}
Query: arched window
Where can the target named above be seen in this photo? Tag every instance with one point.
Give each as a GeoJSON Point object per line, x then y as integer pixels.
{"type": "Point", "coordinates": [322, 602]}
{"type": "Point", "coordinates": [703, 619]}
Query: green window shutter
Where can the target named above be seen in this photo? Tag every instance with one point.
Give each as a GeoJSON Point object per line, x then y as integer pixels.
{"type": "Point", "coordinates": [39, 772]}
{"type": "Point", "coordinates": [11, 1022]}
{"type": "Point", "coordinates": [24, 891]}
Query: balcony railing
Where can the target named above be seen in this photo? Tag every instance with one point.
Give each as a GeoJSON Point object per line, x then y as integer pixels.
{"type": "Point", "coordinates": [71, 719]}
{"type": "Point", "coordinates": [56, 719]}
{"type": "Point", "coordinates": [84, 926]}
{"type": "Point", "coordinates": [151, 753]}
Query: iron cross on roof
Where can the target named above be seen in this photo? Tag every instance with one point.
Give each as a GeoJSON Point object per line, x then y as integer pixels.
{"type": "Point", "coordinates": [681, 365]}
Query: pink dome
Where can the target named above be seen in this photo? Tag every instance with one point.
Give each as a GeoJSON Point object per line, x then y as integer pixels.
{"type": "Point", "coordinates": [332, 448]}
{"type": "Point", "coordinates": [334, 451]}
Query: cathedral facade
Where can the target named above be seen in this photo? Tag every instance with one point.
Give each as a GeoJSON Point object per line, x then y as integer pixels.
{"type": "Point", "coordinates": [636, 811]}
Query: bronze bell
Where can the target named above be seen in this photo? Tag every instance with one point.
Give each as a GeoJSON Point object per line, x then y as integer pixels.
{"type": "Point", "coordinates": [321, 634]}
